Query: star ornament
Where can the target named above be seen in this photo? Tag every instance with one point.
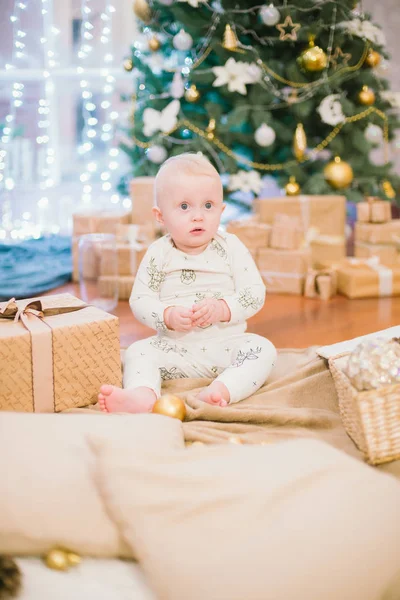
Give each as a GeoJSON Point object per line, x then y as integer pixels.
{"type": "Point", "coordinates": [339, 58]}
{"type": "Point", "coordinates": [288, 24]}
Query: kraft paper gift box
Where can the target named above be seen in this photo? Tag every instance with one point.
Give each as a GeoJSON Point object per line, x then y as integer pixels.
{"type": "Point", "coordinates": [98, 221]}
{"type": "Point", "coordinates": [286, 233]}
{"type": "Point", "coordinates": [386, 253]}
{"type": "Point", "coordinates": [327, 250]}
{"type": "Point", "coordinates": [124, 283]}
{"type": "Point", "coordinates": [374, 210]}
{"type": "Point", "coordinates": [367, 278]}
{"type": "Point", "coordinates": [320, 283]}
{"type": "Point", "coordinates": [129, 256]}
{"type": "Point", "coordinates": [134, 232]}
{"type": "Point", "coordinates": [142, 196]}
{"type": "Point", "coordinates": [325, 213]}
{"type": "Point", "coordinates": [55, 353]}
{"type": "Point", "coordinates": [283, 271]}
{"type": "Point", "coordinates": [251, 232]}
{"type": "Point", "coordinates": [378, 233]}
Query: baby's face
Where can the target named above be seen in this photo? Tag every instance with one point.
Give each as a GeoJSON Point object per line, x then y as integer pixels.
{"type": "Point", "coordinates": [190, 207]}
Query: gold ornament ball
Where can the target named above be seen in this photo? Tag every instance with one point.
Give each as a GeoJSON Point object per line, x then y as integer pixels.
{"type": "Point", "coordinates": [338, 173]}
{"type": "Point", "coordinates": [154, 44]}
{"type": "Point", "coordinates": [170, 406]}
{"type": "Point", "coordinates": [128, 64]}
{"type": "Point", "coordinates": [292, 188]}
{"type": "Point", "coordinates": [192, 94]}
{"type": "Point", "coordinates": [313, 59]}
{"type": "Point", "coordinates": [373, 59]}
{"type": "Point", "coordinates": [57, 560]}
{"type": "Point", "coordinates": [367, 96]}
{"type": "Point", "coordinates": [299, 142]}
{"type": "Point", "coordinates": [142, 10]}
{"type": "Point", "coordinates": [388, 190]}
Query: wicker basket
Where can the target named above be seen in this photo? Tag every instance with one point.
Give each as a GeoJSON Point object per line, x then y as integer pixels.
{"type": "Point", "coordinates": [371, 418]}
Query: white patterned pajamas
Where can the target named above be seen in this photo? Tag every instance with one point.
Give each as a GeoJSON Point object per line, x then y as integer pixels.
{"type": "Point", "coordinates": [224, 270]}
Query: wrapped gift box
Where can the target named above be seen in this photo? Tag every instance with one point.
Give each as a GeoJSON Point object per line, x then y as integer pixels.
{"type": "Point", "coordinates": [134, 232]}
{"type": "Point", "coordinates": [124, 283]}
{"type": "Point", "coordinates": [283, 271]}
{"type": "Point", "coordinates": [57, 354]}
{"type": "Point", "coordinates": [251, 232]}
{"type": "Point", "coordinates": [378, 233]}
{"type": "Point", "coordinates": [287, 232]}
{"type": "Point", "coordinates": [325, 213]}
{"type": "Point", "coordinates": [374, 210]}
{"type": "Point", "coordinates": [386, 253]}
{"type": "Point", "coordinates": [327, 250]}
{"type": "Point", "coordinates": [129, 257]}
{"type": "Point", "coordinates": [98, 221]}
{"type": "Point", "coordinates": [367, 278]}
{"type": "Point", "coordinates": [142, 196]}
{"type": "Point", "coordinates": [320, 283]}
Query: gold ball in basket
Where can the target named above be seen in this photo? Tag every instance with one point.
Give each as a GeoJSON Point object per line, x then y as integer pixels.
{"type": "Point", "coordinates": [128, 64]}
{"type": "Point", "coordinates": [73, 559]}
{"type": "Point", "coordinates": [292, 188]}
{"type": "Point", "coordinates": [367, 96]}
{"type": "Point", "coordinates": [374, 363]}
{"type": "Point", "coordinates": [313, 59]}
{"type": "Point", "coordinates": [373, 59]}
{"type": "Point", "coordinates": [154, 43]}
{"type": "Point", "coordinates": [338, 173]}
{"type": "Point", "coordinates": [170, 406]}
{"type": "Point", "coordinates": [192, 94]}
{"type": "Point", "coordinates": [57, 560]}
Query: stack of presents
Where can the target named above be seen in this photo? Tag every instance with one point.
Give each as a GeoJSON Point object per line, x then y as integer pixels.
{"type": "Point", "coordinates": [134, 230]}
{"type": "Point", "coordinates": [299, 246]}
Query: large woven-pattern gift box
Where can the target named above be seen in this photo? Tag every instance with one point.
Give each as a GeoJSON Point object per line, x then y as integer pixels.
{"type": "Point", "coordinates": [367, 278]}
{"type": "Point", "coordinates": [371, 417]}
{"type": "Point", "coordinates": [283, 271]}
{"type": "Point", "coordinates": [55, 353]}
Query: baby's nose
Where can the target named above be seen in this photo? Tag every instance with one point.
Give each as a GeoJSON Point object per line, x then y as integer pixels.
{"type": "Point", "coordinates": [197, 215]}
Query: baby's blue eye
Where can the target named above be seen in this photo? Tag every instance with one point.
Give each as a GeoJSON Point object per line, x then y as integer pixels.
{"type": "Point", "coordinates": [184, 206]}
{"type": "Point", "coordinates": [208, 205]}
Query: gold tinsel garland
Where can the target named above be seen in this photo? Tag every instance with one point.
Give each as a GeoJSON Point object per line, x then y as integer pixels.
{"type": "Point", "coordinates": [278, 166]}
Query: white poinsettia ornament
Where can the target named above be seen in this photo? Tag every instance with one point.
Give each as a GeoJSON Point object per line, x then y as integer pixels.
{"type": "Point", "coordinates": [330, 110]}
{"type": "Point", "coordinates": [365, 29]}
{"type": "Point", "coordinates": [161, 120]}
{"type": "Point", "coordinates": [245, 181]}
{"type": "Point", "coordinates": [236, 74]}
{"type": "Point", "coordinates": [194, 3]}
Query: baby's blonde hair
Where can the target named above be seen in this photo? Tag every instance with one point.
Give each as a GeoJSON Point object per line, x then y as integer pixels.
{"type": "Point", "coordinates": [187, 163]}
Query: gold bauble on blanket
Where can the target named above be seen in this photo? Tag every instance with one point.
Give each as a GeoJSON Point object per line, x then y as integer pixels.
{"type": "Point", "coordinates": [170, 406]}
{"type": "Point", "coordinates": [338, 173]}
{"type": "Point", "coordinates": [57, 560]}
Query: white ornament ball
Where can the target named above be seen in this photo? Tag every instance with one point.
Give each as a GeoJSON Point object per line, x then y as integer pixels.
{"type": "Point", "coordinates": [156, 154]}
{"type": "Point", "coordinates": [270, 15]}
{"type": "Point", "coordinates": [265, 135]}
{"type": "Point", "coordinates": [182, 40]}
{"type": "Point", "coordinates": [373, 133]}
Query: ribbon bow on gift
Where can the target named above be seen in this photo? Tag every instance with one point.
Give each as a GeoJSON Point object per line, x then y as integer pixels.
{"type": "Point", "coordinates": [32, 315]}
{"type": "Point", "coordinates": [320, 283]}
{"type": "Point", "coordinates": [313, 235]}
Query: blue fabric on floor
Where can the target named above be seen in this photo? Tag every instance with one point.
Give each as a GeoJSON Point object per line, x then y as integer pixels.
{"type": "Point", "coordinates": [31, 267]}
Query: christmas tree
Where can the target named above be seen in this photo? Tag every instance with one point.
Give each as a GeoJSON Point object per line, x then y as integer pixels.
{"type": "Point", "coordinates": [290, 90]}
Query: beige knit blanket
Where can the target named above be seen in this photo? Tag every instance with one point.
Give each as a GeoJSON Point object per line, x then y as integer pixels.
{"type": "Point", "coordinates": [299, 400]}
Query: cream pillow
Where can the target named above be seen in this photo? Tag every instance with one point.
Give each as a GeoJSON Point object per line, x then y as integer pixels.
{"type": "Point", "coordinates": [47, 494]}
{"type": "Point", "coordinates": [297, 520]}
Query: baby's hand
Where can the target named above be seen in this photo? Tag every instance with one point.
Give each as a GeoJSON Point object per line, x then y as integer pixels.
{"type": "Point", "coordinates": [178, 318]}
{"type": "Point", "coordinates": [210, 311]}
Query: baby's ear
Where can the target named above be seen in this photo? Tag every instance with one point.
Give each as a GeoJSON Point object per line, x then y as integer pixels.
{"type": "Point", "coordinates": [223, 207]}
{"type": "Point", "coordinates": [157, 215]}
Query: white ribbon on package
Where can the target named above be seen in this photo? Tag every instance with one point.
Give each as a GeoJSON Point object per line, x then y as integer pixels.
{"type": "Point", "coordinates": [384, 273]}
{"type": "Point", "coordinates": [277, 276]}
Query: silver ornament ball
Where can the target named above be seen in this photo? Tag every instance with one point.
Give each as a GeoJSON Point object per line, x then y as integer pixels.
{"type": "Point", "coordinates": [269, 15]}
{"type": "Point", "coordinates": [182, 40]}
{"type": "Point", "coordinates": [373, 133]}
{"type": "Point", "coordinates": [156, 154]}
{"type": "Point", "coordinates": [374, 363]}
{"type": "Point", "coordinates": [265, 135]}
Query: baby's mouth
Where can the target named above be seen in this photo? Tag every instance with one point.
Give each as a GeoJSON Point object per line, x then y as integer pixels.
{"type": "Point", "coordinates": [196, 230]}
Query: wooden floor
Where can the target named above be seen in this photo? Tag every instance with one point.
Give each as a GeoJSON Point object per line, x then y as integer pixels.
{"type": "Point", "coordinates": [291, 321]}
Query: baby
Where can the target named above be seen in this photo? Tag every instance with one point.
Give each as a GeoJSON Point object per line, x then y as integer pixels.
{"type": "Point", "coordinates": [196, 286]}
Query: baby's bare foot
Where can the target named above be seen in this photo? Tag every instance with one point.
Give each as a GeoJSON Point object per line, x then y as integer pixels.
{"type": "Point", "coordinates": [115, 399]}
{"type": "Point", "coordinates": [216, 394]}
